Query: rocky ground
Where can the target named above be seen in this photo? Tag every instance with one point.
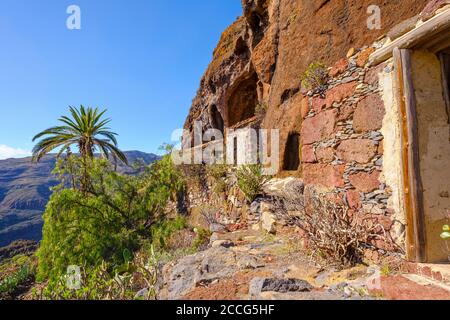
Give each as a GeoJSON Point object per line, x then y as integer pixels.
{"type": "Point", "coordinates": [253, 265]}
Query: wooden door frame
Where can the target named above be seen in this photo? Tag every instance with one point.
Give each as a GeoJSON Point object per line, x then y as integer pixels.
{"type": "Point", "coordinates": [445, 65]}
{"type": "Point", "coordinates": [412, 182]}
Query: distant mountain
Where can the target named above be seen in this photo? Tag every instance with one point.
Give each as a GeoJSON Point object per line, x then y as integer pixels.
{"type": "Point", "coordinates": [25, 190]}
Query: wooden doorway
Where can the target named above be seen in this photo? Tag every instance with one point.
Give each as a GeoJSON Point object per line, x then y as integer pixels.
{"type": "Point", "coordinates": [422, 79]}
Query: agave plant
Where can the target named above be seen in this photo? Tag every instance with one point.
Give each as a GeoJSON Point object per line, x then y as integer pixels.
{"type": "Point", "coordinates": [86, 129]}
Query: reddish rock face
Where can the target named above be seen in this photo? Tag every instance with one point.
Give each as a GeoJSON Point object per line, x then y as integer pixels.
{"type": "Point", "coordinates": [325, 154]}
{"type": "Point", "coordinates": [345, 112]}
{"type": "Point", "coordinates": [400, 288]}
{"type": "Point", "coordinates": [369, 114]}
{"type": "Point", "coordinates": [304, 107]}
{"type": "Point", "coordinates": [363, 57]}
{"type": "Point", "coordinates": [385, 222]}
{"type": "Point", "coordinates": [339, 93]}
{"type": "Point", "coordinates": [353, 199]}
{"type": "Point", "coordinates": [372, 75]}
{"type": "Point", "coordinates": [339, 67]}
{"type": "Point", "coordinates": [359, 150]}
{"type": "Point", "coordinates": [381, 148]}
{"type": "Point", "coordinates": [319, 127]}
{"type": "Point", "coordinates": [318, 104]}
{"type": "Point", "coordinates": [322, 174]}
{"type": "Point", "coordinates": [365, 182]}
{"type": "Point", "coordinates": [308, 155]}
{"type": "Point", "coordinates": [264, 59]}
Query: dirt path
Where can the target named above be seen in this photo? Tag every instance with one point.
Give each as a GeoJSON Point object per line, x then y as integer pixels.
{"type": "Point", "coordinates": [248, 264]}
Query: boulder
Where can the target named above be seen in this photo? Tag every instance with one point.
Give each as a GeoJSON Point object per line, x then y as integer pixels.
{"type": "Point", "coordinates": [268, 221]}
{"type": "Point", "coordinates": [222, 243]}
{"type": "Point", "coordinates": [260, 285]}
{"type": "Point", "coordinates": [284, 188]}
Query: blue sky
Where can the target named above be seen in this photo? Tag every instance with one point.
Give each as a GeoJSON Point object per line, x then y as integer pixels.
{"type": "Point", "coordinates": [140, 59]}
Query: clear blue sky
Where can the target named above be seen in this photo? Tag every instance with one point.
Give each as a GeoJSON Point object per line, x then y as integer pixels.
{"type": "Point", "coordinates": [140, 59]}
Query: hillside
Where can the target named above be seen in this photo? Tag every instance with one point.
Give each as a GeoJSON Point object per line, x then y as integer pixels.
{"type": "Point", "coordinates": [25, 190]}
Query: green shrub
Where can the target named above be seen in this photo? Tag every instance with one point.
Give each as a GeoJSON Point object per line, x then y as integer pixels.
{"type": "Point", "coordinates": [201, 240]}
{"type": "Point", "coordinates": [315, 76]}
{"type": "Point", "coordinates": [10, 284]}
{"type": "Point", "coordinates": [219, 174]}
{"type": "Point", "coordinates": [251, 181]}
{"type": "Point", "coordinates": [108, 220]}
{"type": "Point", "coordinates": [163, 230]}
{"type": "Point", "coordinates": [103, 282]}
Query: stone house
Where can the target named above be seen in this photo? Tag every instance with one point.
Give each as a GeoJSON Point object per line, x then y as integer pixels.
{"type": "Point", "coordinates": [377, 134]}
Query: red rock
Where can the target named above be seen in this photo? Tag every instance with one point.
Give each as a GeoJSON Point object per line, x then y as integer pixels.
{"type": "Point", "coordinates": [437, 276]}
{"type": "Point", "coordinates": [359, 150]}
{"type": "Point", "coordinates": [400, 288]}
{"type": "Point", "coordinates": [308, 155]}
{"type": "Point", "coordinates": [345, 112]}
{"type": "Point", "coordinates": [264, 58]}
{"type": "Point", "coordinates": [304, 109]}
{"type": "Point", "coordinates": [381, 148]}
{"type": "Point", "coordinates": [323, 174]}
{"type": "Point", "coordinates": [318, 104]}
{"type": "Point", "coordinates": [409, 267]}
{"type": "Point", "coordinates": [339, 67]}
{"type": "Point", "coordinates": [319, 127]}
{"type": "Point", "coordinates": [363, 57]}
{"type": "Point", "coordinates": [426, 271]}
{"type": "Point", "coordinates": [325, 154]}
{"type": "Point", "coordinates": [371, 76]}
{"type": "Point", "coordinates": [369, 114]}
{"type": "Point", "coordinates": [353, 199]}
{"type": "Point", "coordinates": [385, 222]}
{"type": "Point", "coordinates": [340, 92]}
{"type": "Point", "coordinates": [365, 182]}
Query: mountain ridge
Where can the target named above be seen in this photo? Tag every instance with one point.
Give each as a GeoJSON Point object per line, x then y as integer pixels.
{"type": "Point", "coordinates": [25, 190]}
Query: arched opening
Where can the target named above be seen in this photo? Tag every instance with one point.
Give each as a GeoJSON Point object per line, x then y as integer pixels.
{"type": "Point", "coordinates": [291, 160]}
{"type": "Point", "coordinates": [243, 100]}
{"type": "Point", "coordinates": [216, 119]}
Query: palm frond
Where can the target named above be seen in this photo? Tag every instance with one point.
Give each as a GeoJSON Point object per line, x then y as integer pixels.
{"type": "Point", "coordinates": [84, 129]}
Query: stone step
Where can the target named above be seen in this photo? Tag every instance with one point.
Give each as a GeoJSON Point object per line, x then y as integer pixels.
{"type": "Point", "coordinates": [439, 272]}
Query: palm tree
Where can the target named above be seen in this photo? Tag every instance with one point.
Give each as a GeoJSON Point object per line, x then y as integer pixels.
{"type": "Point", "coordinates": [86, 129]}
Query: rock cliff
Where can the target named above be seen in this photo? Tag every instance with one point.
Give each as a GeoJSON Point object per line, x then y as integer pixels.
{"type": "Point", "coordinates": [260, 58]}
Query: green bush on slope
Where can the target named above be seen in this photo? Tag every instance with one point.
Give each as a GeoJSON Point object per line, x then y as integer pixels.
{"type": "Point", "coordinates": [110, 217]}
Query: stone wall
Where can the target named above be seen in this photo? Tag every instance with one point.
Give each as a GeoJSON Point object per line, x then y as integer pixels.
{"type": "Point", "coordinates": [342, 145]}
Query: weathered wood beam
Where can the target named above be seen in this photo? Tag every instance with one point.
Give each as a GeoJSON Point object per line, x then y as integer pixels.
{"type": "Point", "coordinates": [414, 157]}
{"type": "Point", "coordinates": [445, 63]}
{"type": "Point", "coordinates": [440, 24]}
{"type": "Point", "coordinates": [412, 182]}
{"type": "Point", "coordinates": [400, 101]}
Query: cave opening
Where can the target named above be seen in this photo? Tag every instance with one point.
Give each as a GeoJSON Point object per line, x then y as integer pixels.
{"type": "Point", "coordinates": [243, 100]}
{"type": "Point", "coordinates": [291, 160]}
{"type": "Point", "coordinates": [216, 118]}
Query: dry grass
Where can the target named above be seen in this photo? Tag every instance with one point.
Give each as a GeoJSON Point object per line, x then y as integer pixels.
{"type": "Point", "coordinates": [334, 234]}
